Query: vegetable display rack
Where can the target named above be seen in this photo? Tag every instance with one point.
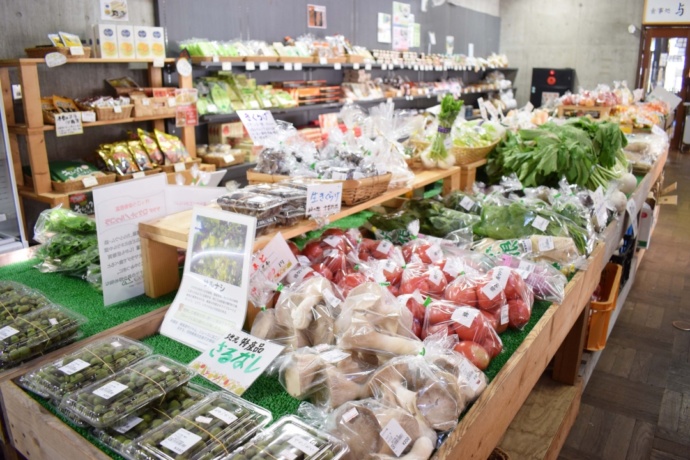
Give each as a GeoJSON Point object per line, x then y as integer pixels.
{"type": "Point", "coordinates": [33, 129]}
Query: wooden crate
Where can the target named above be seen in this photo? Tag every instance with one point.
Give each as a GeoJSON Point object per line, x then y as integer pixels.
{"type": "Point", "coordinates": [131, 175]}
{"type": "Point", "coordinates": [76, 185]}
{"type": "Point", "coordinates": [598, 113]}
{"type": "Point", "coordinates": [187, 164]}
{"type": "Point", "coordinates": [240, 156]}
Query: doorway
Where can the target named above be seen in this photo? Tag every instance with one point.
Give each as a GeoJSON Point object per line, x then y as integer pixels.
{"type": "Point", "coordinates": [665, 62]}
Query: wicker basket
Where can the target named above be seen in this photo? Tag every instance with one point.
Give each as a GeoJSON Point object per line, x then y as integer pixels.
{"type": "Point", "coordinates": [76, 185]}
{"type": "Point", "coordinates": [240, 157]}
{"type": "Point", "coordinates": [187, 164]}
{"type": "Point", "coordinates": [499, 454]}
{"type": "Point", "coordinates": [41, 51]}
{"type": "Point", "coordinates": [466, 155]}
{"type": "Point", "coordinates": [153, 106]}
{"type": "Point", "coordinates": [131, 175]}
{"type": "Point", "coordinates": [354, 191]}
{"type": "Point", "coordinates": [109, 114]}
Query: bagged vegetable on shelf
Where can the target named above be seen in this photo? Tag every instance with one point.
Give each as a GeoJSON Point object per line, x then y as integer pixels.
{"type": "Point", "coordinates": [550, 249]}
{"type": "Point", "coordinates": [546, 282]}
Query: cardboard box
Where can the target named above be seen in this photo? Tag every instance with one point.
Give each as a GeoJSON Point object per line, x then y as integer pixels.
{"type": "Point", "coordinates": [142, 42]}
{"type": "Point", "coordinates": [125, 42]}
{"type": "Point", "coordinates": [157, 36]}
{"type": "Point", "coordinates": [106, 41]}
{"type": "Point", "coordinates": [223, 133]}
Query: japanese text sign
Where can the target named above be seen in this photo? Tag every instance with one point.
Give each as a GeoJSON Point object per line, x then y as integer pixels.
{"type": "Point", "coordinates": [68, 124]}
{"type": "Point", "coordinates": [119, 209]}
{"type": "Point", "coordinates": [259, 124]}
{"type": "Point", "coordinates": [275, 260]}
{"type": "Point", "coordinates": [236, 360]}
{"type": "Point", "coordinates": [324, 199]}
{"type": "Point", "coordinates": [666, 12]}
{"type": "Point", "coordinates": [212, 298]}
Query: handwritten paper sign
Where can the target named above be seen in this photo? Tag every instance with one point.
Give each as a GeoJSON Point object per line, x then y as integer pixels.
{"type": "Point", "coordinates": [55, 59]}
{"type": "Point", "coordinates": [68, 124]}
{"type": "Point", "coordinates": [275, 260]}
{"type": "Point", "coordinates": [212, 298]}
{"type": "Point", "coordinates": [119, 209]}
{"type": "Point", "coordinates": [259, 124]}
{"type": "Point", "coordinates": [236, 360]}
{"type": "Point", "coordinates": [324, 199]}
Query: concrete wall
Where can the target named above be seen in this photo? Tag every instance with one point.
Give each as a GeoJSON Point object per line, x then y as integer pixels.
{"type": "Point", "coordinates": [590, 36]}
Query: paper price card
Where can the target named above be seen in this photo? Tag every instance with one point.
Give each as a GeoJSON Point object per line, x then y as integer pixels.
{"type": "Point", "coordinates": [324, 199]}
{"type": "Point", "coordinates": [275, 260]}
{"type": "Point", "coordinates": [259, 124]}
{"type": "Point", "coordinates": [212, 298]}
{"type": "Point", "coordinates": [68, 124]}
{"type": "Point", "coordinates": [236, 360]}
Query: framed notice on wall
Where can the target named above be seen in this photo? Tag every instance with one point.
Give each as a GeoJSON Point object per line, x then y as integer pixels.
{"type": "Point", "coordinates": [666, 12]}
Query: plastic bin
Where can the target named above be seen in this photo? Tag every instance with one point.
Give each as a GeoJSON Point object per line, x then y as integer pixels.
{"type": "Point", "coordinates": [600, 312]}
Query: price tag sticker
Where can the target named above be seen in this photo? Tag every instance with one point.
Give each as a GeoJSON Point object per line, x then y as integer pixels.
{"type": "Point", "coordinates": [117, 109]}
{"type": "Point", "coordinates": [305, 444]}
{"type": "Point", "coordinates": [465, 316]}
{"type": "Point", "coordinates": [546, 244]}
{"type": "Point", "coordinates": [139, 175]}
{"type": "Point", "coordinates": [226, 66]}
{"type": "Point", "coordinates": [435, 276]}
{"type": "Point", "coordinates": [172, 102]}
{"type": "Point", "coordinates": [298, 66]}
{"type": "Point", "coordinates": [492, 289]}
{"type": "Point", "coordinates": [471, 374]}
{"type": "Point", "coordinates": [74, 367]}
{"type": "Point", "coordinates": [337, 66]}
{"type": "Point", "coordinates": [180, 441]}
{"type": "Point", "coordinates": [304, 261]}
{"type": "Point", "coordinates": [224, 415]}
{"type": "Point", "coordinates": [215, 59]}
{"type": "Point", "coordinates": [333, 241]}
{"type": "Point", "coordinates": [355, 66]}
{"type": "Point", "coordinates": [396, 438]}
{"type": "Point", "coordinates": [184, 67]}
{"type": "Point", "coordinates": [501, 274]}
{"type": "Point", "coordinates": [526, 245]}
{"type": "Point", "coordinates": [263, 66]}
{"type": "Point", "coordinates": [203, 420]}
{"type": "Point", "coordinates": [287, 66]}
{"type": "Point", "coordinates": [384, 246]}
{"type": "Point", "coordinates": [250, 66]}
{"type": "Point", "coordinates": [324, 199]}
{"type": "Point", "coordinates": [367, 66]}
{"type": "Point", "coordinates": [329, 297]}
{"type": "Point", "coordinates": [76, 50]}
{"type": "Point", "coordinates": [229, 158]}
{"type": "Point", "coordinates": [53, 322]}
{"type": "Point", "coordinates": [334, 356]}
{"type": "Point", "coordinates": [384, 66]}
{"type": "Point", "coordinates": [89, 181]}
{"type": "Point", "coordinates": [179, 167]}
{"type": "Point", "coordinates": [128, 424]}
{"type": "Point", "coordinates": [158, 62]}
{"type": "Point", "coordinates": [540, 223]}
{"type": "Point", "coordinates": [505, 314]}
{"type": "Point", "coordinates": [88, 116]}
{"type": "Point", "coordinates": [467, 203]}
{"type": "Point", "coordinates": [453, 266]}
{"type": "Point", "coordinates": [323, 61]}
{"type": "Point", "coordinates": [526, 266]}
{"type": "Point", "coordinates": [349, 415]}
{"type": "Point", "coordinates": [109, 390]}
{"type": "Point", "coordinates": [115, 344]}
{"type": "Point", "coordinates": [164, 369]}
{"type": "Point", "coordinates": [146, 101]}
{"type": "Point", "coordinates": [435, 253]}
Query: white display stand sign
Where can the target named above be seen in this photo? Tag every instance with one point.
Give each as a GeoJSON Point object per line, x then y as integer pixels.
{"type": "Point", "coordinates": [212, 298]}
{"type": "Point", "coordinates": [119, 209]}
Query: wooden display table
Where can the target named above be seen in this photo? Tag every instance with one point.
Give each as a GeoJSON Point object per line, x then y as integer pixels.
{"type": "Point", "coordinates": [161, 238]}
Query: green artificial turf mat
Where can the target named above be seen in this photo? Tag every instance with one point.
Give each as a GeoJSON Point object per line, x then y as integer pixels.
{"type": "Point", "coordinates": [77, 295]}
{"type": "Point", "coordinates": [353, 221]}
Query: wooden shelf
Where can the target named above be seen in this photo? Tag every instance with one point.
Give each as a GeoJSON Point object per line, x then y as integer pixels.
{"type": "Point", "coordinates": [24, 130]}
{"type": "Point", "coordinates": [24, 61]}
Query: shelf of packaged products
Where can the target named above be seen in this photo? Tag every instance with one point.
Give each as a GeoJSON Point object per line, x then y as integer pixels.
{"type": "Point", "coordinates": [227, 117]}
{"type": "Point", "coordinates": [24, 61]}
{"type": "Point", "coordinates": [24, 130]}
{"type": "Point", "coordinates": [54, 198]}
{"type": "Point", "coordinates": [161, 238]}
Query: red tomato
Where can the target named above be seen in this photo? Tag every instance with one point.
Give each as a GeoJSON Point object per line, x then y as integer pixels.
{"type": "Point", "coordinates": [393, 289]}
{"type": "Point", "coordinates": [351, 281]}
{"type": "Point", "coordinates": [492, 344]}
{"type": "Point", "coordinates": [416, 308]}
{"type": "Point", "coordinates": [418, 283]}
{"type": "Point", "coordinates": [492, 318]}
{"type": "Point", "coordinates": [477, 329]}
{"type": "Point", "coordinates": [475, 353]}
{"type": "Point", "coordinates": [354, 236]}
{"type": "Point", "coordinates": [335, 260]}
{"type": "Point", "coordinates": [393, 273]}
{"type": "Point", "coordinates": [515, 287]}
{"type": "Point", "coordinates": [323, 270]}
{"type": "Point", "coordinates": [461, 294]}
{"type": "Point", "coordinates": [441, 329]}
{"type": "Point", "coordinates": [313, 250]}
{"type": "Point", "coordinates": [437, 282]}
{"type": "Point", "coordinates": [438, 312]}
{"type": "Point", "coordinates": [364, 254]}
{"type": "Point", "coordinates": [519, 313]}
{"type": "Point", "coordinates": [417, 328]}
{"type": "Point", "coordinates": [333, 231]}
{"type": "Point", "coordinates": [484, 301]}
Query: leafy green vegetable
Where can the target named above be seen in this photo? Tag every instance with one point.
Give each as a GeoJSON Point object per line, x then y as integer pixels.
{"type": "Point", "coordinates": [450, 108]}
{"type": "Point", "coordinates": [63, 220]}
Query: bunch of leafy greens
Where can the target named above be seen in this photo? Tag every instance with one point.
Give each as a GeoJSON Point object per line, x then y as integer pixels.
{"type": "Point", "coordinates": [585, 152]}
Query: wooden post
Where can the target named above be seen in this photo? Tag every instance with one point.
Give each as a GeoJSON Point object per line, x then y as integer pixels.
{"type": "Point", "coordinates": [7, 95]}
{"type": "Point", "coordinates": [566, 367]}
{"type": "Point", "coordinates": [156, 81]}
{"type": "Point", "coordinates": [451, 182]}
{"type": "Point", "coordinates": [33, 116]}
{"type": "Point", "coordinates": [159, 262]}
{"type": "Point", "coordinates": [188, 134]}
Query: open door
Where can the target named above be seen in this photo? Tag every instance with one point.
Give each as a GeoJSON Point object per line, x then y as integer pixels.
{"type": "Point", "coordinates": [665, 62]}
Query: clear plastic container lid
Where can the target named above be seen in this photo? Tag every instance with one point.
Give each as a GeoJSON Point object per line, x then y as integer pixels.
{"type": "Point", "coordinates": [252, 204]}
{"type": "Point", "coordinates": [121, 435]}
{"type": "Point", "coordinates": [110, 400]}
{"type": "Point", "coordinates": [94, 362]}
{"type": "Point", "coordinates": [264, 225]}
{"type": "Point", "coordinates": [290, 194]}
{"type": "Point", "coordinates": [209, 430]}
{"type": "Point", "coordinates": [291, 438]}
{"type": "Point", "coordinates": [17, 300]}
{"type": "Point", "coordinates": [35, 332]}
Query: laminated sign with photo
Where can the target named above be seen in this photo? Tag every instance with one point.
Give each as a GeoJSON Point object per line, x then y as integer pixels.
{"type": "Point", "coordinates": [213, 295]}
